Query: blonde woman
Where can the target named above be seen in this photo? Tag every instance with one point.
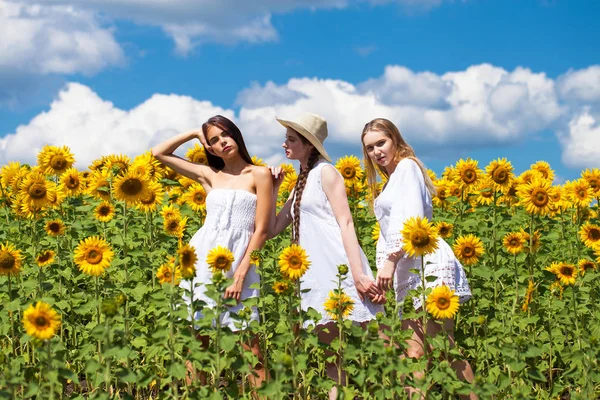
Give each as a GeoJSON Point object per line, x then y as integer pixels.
{"type": "Point", "coordinates": [407, 193]}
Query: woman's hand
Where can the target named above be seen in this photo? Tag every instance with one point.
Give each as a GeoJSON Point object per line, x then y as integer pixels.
{"type": "Point", "coordinates": [234, 291]}
{"type": "Point", "coordinates": [277, 173]}
{"type": "Point", "coordinates": [385, 276]}
{"type": "Point", "coordinates": [366, 287]}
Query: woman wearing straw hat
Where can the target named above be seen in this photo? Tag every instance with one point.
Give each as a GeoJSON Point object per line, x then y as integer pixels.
{"type": "Point", "coordinates": [322, 224]}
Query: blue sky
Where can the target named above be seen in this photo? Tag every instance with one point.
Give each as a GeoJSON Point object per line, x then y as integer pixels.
{"type": "Point", "coordinates": [308, 51]}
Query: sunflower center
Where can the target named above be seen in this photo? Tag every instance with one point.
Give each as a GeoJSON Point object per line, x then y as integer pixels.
{"type": "Point", "coordinates": [54, 227]}
{"type": "Point", "coordinates": [349, 172]}
{"type": "Point", "coordinates": [150, 199]}
{"type": "Point", "coordinates": [444, 230]}
{"type": "Point", "coordinates": [566, 270]}
{"type": "Point", "coordinates": [93, 256]}
{"type": "Point", "coordinates": [486, 193]}
{"type": "Point", "coordinates": [500, 176]}
{"type": "Point", "coordinates": [594, 234]}
{"type": "Point", "coordinates": [514, 242]}
{"type": "Point", "coordinates": [443, 303]}
{"type": "Point", "coordinates": [468, 251]}
{"type": "Point", "coordinates": [37, 191]}
{"type": "Point", "coordinates": [593, 183]}
{"type": "Point", "coordinates": [469, 176]}
{"type": "Point", "coordinates": [120, 165]}
{"type": "Point", "coordinates": [295, 262]}
{"type": "Point", "coordinates": [539, 197]}
{"type": "Point", "coordinates": [441, 194]}
{"type": "Point", "coordinates": [199, 198]}
{"type": "Point", "coordinates": [72, 182]}
{"type": "Point", "coordinates": [132, 187]}
{"type": "Point", "coordinates": [221, 262]}
{"type": "Point", "coordinates": [186, 258]}
{"type": "Point", "coordinates": [587, 265]}
{"type": "Point", "coordinates": [44, 257]}
{"type": "Point", "coordinates": [104, 211]}
{"type": "Point", "coordinates": [173, 224]}
{"type": "Point", "coordinates": [420, 238]}
{"type": "Point", "coordinates": [58, 162]}
{"type": "Point", "coordinates": [581, 193]}
{"type": "Point", "coordinates": [7, 261]}
{"type": "Point", "coordinates": [41, 321]}
{"type": "Point", "coordinates": [456, 192]}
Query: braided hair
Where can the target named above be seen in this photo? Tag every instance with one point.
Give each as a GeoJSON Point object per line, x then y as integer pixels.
{"type": "Point", "coordinates": [299, 188]}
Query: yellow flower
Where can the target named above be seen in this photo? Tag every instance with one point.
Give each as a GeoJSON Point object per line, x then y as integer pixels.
{"type": "Point", "coordinates": [579, 192]}
{"type": "Point", "coordinates": [46, 257]}
{"type": "Point", "coordinates": [510, 196]}
{"type": "Point", "coordinates": [116, 164]}
{"type": "Point", "coordinates": [529, 175]}
{"type": "Point", "coordinates": [338, 304]}
{"type": "Point", "coordinates": [258, 161]}
{"type": "Point", "coordinates": [93, 255]}
{"type": "Point", "coordinates": [99, 185]}
{"type": "Point", "coordinates": [55, 160]}
{"type": "Point", "coordinates": [528, 296]}
{"type": "Point", "coordinates": [41, 321]}
{"type": "Point", "coordinates": [195, 197]}
{"type": "Point", "coordinates": [71, 183]}
{"type": "Point", "coordinates": [281, 287]}
{"type": "Point", "coordinates": [8, 173]}
{"type": "Point", "coordinates": [536, 196]}
{"type": "Point", "coordinates": [419, 237]}
{"type": "Point", "coordinates": [375, 232]}
{"type": "Point", "coordinates": [55, 228]}
{"type": "Point", "coordinates": [590, 235]}
{"type": "Point", "coordinates": [431, 175]}
{"type": "Point", "coordinates": [170, 211]}
{"type": "Point", "coordinates": [585, 265]}
{"type": "Point", "coordinates": [10, 260]}
{"type": "Point", "coordinates": [513, 242]}
{"type": "Point", "coordinates": [349, 167]}
{"type": "Point", "coordinates": [155, 197]}
{"type": "Point", "coordinates": [37, 191]}
{"type": "Point", "coordinates": [147, 165]}
{"type": "Point", "coordinates": [593, 179]}
{"type": "Point", "coordinates": [500, 172]}
{"type": "Point", "coordinates": [468, 172]}
{"type": "Point", "coordinates": [442, 303]}
{"type": "Point", "coordinates": [255, 257]}
{"type": "Point", "coordinates": [175, 226]}
{"type": "Point", "coordinates": [220, 259]}
{"type": "Point", "coordinates": [531, 245]}
{"type": "Point", "coordinates": [442, 192]}
{"type": "Point", "coordinates": [557, 288]}
{"type": "Point", "coordinates": [187, 261]}
{"type": "Point", "coordinates": [197, 154]}
{"type": "Point", "coordinates": [444, 229]}
{"type": "Point", "coordinates": [293, 262]}
{"type": "Point", "coordinates": [544, 169]}
{"type": "Point", "coordinates": [485, 192]}
{"type": "Point", "coordinates": [131, 187]}
{"type": "Point", "coordinates": [468, 249]}
{"type": "Point", "coordinates": [165, 273]}
{"type": "Point", "coordinates": [104, 212]}
{"type": "Point", "coordinates": [565, 273]}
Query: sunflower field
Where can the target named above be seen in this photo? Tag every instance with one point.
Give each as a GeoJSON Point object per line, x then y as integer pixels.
{"type": "Point", "coordinates": [90, 305]}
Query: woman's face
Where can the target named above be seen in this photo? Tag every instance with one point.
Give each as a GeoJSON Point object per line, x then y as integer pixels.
{"type": "Point", "coordinates": [294, 147]}
{"type": "Point", "coordinates": [221, 143]}
{"type": "Point", "coordinates": [379, 148]}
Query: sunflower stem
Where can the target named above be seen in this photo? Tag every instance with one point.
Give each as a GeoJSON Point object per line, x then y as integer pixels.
{"type": "Point", "coordinates": [11, 316]}
{"type": "Point", "coordinates": [98, 316]}
{"type": "Point", "coordinates": [49, 366]}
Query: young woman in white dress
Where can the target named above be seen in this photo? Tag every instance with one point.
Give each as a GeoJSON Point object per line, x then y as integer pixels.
{"type": "Point", "coordinates": [322, 224]}
{"type": "Point", "coordinates": [238, 207]}
{"type": "Point", "coordinates": [406, 194]}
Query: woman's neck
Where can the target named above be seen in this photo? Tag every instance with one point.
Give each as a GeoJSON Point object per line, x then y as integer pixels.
{"type": "Point", "coordinates": [234, 165]}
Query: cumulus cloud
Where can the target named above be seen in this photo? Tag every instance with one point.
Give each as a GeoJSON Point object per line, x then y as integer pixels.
{"type": "Point", "coordinates": [581, 85]}
{"type": "Point", "coordinates": [581, 141]}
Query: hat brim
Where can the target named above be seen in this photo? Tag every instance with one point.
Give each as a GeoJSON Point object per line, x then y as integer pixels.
{"type": "Point", "coordinates": [307, 135]}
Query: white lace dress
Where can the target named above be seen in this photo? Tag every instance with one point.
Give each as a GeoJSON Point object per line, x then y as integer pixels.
{"type": "Point", "coordinates": [321, 237]}
{"type": "Point", "coordinates": [405, 196]}
{"type": "Point", "coordinates": [230, 215]}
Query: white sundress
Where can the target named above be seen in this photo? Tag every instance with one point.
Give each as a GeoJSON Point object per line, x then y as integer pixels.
{"type": "Point", "coordinates": [405, 196]}
{"type": "Point", "coordinates": [230, 215]}
{"type": "Point", "coordinates": [321, 237]}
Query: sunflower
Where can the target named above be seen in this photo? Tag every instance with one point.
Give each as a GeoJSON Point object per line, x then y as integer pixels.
{"type": "Point", "coordinates": [146, 164]}
{"type": "Point", "coordinates": [450, 173]}
{"type": "Point", "coordinates": [131, 187]}
{"type": "Point", "coordinates": [55, 227]}
{"type": "Point", "coordinates": [99, 185]}
{"type": "Point", "coordinates": [37, 191]}
{"type": "Point", "coordinates": [442, 192]}
{"type": "Point", "coordinates": [349, 167]}
{"type": "Point", "coordinates": [529, 175]}
{"type": "Point", "coordinates": [175, 226]}
{"type": "Point", "coordinates": [165, 273]}
{"type": "Point", "coordinates": [500, 172]}
{"type": "Point", "coordinates": [155, 197]}
{"type": "Point", "coordinates": [255, 257]}
{"type": "Point", "coordinates": [19, 178]}
{"type": "Point", "coordinates": [468, 249]}
{"type": "Point", "coordinates": [468, 172]}
{"type": "Point", "coordinates": [565, 273]}
{"type": "Point", "coordinates": [544, 169]}
{"type": "Point", "coordinates": [71, 183]}
{"type": "Point", "coordinates": [219, 259]}
{"type": "Point", "coordinates": [281, 287]}
{"type": "Point", "coordinates": [584, 266]}
{"type": "Point", "coordinates": [46, 257]}
{"type": "Point", "coordinates": [116, 164]}
{"type": "Point", "coordinates": [197, 154]}
{"type": "Point", "coordinates": [104, 212]}
{"type": "Point", "coordinates": [444, 229]}
{"type": "Point", "coordinates": [432, 175]}
{"type": "Point", "coordinates": [531, 244]}
{"type": "Point", "coordinates": [293, 262]}
{"type": "Point", "coordinates": [513, 242]}
{"type": "Point", "coordinates": [442, 303]}
{"type": "Point", "coordinates": [55, 160]}
{"type": "Point", "coordinates": [456, 190]}
{"type": "Point", "coordinates": [187, 261]}
{"type": "Point", "coordinates": [98, 164]}
{"type": "Point", "coordinates": [288, 168]}
{"type": "Point", "coordinates": [509, 197]}
{"type": "Point", "coordinates": [557, 289]}
{"type": "Point", "coordinates": [419, 237]}
{"type": "Point", "coordinates": [288, 184]}
{"type": "Point", "coordinates": [8, 173]}
{"type": "Point", "coordinates": [338, 304]}
{"type": "Point", "coordinates": [536, 196]}
{"type": "Point", "coordinates": [528, 296]}
{"type": "Point", "coordinates": [593, 179]}
{"type": "Point", "coordinates": [195, 197]}
{"type": "Point", "coordinates": [579, 192]}
{"type": "Point", "coordinates": [485, 192]}
{"type": "Point", "coordinates": [170, 211]}
{"type": "Point", "coordinates": [41, 321]}
{"type": "Point", "coordinates": [590, 235]}
{"type": "Point", "coordinates": [375, 232]}
{"type": "Point", "coordinates": [10, 260]}
{"type": "Point", "coordinates": [93, 255]}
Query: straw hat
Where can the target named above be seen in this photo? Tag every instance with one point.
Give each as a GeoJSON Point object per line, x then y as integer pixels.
{"type": "Point", "coordinates": [313, 127]}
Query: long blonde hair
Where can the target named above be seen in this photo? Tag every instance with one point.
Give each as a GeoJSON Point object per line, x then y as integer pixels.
{"type": "Point", "coordinates": [403, 150]}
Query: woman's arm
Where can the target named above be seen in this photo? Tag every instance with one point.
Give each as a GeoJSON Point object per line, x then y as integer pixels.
{"type": "Point", "coordinates": [335, 190]}
{"type": "Point", "coordinates": [279, 221]}
{"type": "Point", "coordinates": [164, 153]}
{"type": "Point", "coordinates": [264, 187]}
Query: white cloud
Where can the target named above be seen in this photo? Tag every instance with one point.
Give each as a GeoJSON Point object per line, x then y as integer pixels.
{"type": "Point", "coordinates": [581, 142]}
{"type": "Point", "coordinates": [581, 85]}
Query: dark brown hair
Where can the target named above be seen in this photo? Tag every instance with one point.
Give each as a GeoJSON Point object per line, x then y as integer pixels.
{"type": "Point", "coordinates": [226, 125]}
{"type": "Point", "coordinates": [299, 188]}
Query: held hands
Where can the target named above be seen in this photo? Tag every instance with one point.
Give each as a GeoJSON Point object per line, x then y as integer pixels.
{"type": "Point", "coordinates": [385, 276]}
{"type": "Point", "coordinates": [366, 287]}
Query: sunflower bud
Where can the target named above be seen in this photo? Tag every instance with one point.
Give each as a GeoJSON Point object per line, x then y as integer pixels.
{"type": "Point", "coordinates": [343, 269]}
{"type": "Point", "coordinates": [109, 307]}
